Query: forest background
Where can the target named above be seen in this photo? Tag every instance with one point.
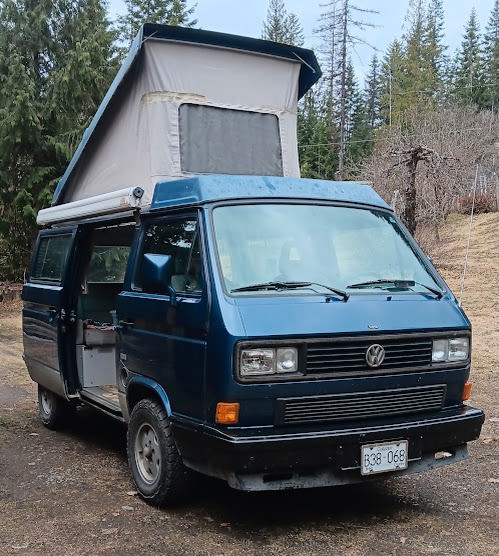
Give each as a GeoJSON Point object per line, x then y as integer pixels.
{"type": "Point", "coordinates": [422, 127]}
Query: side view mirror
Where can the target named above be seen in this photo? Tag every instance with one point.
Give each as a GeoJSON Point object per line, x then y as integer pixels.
{"type": "Point", "coordinates": [157, 271]}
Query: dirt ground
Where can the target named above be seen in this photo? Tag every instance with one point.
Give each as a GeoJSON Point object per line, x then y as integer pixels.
{"type": "Point", "coordinates": [70, 492]}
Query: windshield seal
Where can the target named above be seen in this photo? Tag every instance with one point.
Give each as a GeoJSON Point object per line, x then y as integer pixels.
{"type": "Point", "coordinates": [423, 260]}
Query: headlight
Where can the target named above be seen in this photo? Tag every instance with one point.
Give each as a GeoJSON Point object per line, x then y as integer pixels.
{"type": "Point", "coordinates": [268, 361]}
{"type": "Point", "coordinates": [257, 362]}
{"type": "Point", "coordinates": [287, 360]}
{"type": "Point", "coordinates": [451, 349]}
{"type": "Point", "coordinates": [459, 349]}
{"type": "Point", "coordinates": [440, 351]}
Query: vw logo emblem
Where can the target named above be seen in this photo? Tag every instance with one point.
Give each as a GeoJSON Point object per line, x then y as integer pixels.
{"type": "Point", "coordinates": [375, 355]}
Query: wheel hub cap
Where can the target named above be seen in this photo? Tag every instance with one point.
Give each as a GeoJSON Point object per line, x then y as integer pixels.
{"type": "Point", "coordinates": [147, 453]}
{"type": "Point", "coordinates": [46, 405]}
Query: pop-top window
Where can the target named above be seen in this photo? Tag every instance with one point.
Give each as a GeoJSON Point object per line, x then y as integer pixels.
{"type": "Point", "coordinates": [51, 258]}
{"type": "Point", "coordinates": [222, 141]}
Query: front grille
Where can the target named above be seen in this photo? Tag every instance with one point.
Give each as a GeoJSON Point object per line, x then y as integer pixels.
{"type": "Point", "coordinates": [362, 405]}
{"type": "Point", "coordinates": [349, 357]}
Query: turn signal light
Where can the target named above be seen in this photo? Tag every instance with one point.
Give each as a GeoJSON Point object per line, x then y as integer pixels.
{"type": "Point", "coordinates": [467, 391]}
{"type": "Point", "coordinates": [227, 413]}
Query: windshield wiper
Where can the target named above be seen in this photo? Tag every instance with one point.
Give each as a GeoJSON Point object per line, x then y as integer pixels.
{"type": "Point", "coordinates": [289, 286]}
{"type": "Point", "coordinates": [396, 284]}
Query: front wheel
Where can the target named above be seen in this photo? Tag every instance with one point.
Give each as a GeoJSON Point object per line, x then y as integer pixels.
{"type": "Point", "coordinates": [157, 468]}
{"type": "Point", "coordinates": [55, 412]}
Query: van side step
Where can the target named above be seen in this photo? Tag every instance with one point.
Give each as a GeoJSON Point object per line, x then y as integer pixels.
{"type": "Point", "coordinates": [103, 398]}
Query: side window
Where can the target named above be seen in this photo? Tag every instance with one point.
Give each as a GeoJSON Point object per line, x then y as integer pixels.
{"type": "Point", "coordinates": [179, 239]}
{"type": "Point", "coordinates": [51, 258]}
{"type": "Point", "coordinates": [108, 264]}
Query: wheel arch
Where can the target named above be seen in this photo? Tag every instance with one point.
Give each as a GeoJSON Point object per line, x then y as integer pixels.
{"type": "Point", "coordinates": [140, 387]}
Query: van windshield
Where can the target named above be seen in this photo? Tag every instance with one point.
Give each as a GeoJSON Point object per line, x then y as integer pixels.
{"type": "Point", "coordinates": [294, 249]}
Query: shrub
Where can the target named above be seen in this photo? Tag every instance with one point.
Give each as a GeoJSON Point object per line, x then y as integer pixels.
{"type": "Point", "coordinates": [483, 203]}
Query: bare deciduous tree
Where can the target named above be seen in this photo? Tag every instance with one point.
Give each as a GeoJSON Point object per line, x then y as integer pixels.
{"type": "Point", "coordinates": [425, 165]}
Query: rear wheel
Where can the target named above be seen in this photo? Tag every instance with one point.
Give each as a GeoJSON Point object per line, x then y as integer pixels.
{"type": "Point", "coordinates": [55, 412]}
{"type": "Point", "coordinates": [157, 468]}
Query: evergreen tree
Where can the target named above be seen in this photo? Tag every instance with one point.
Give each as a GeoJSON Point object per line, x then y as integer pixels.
{"type": "Point", "coordinates": [359, 133]}
{"type": "Point", "coordinates": [413, 69]}
{"type": "Point", "coordinates": [168, 12]}
{"type": "Point", "coordinates": [420, 77]}
{"type": "Point", "coordinates": [393, 81]}
{"type": "Point", "coordinates": [435, 47]}
{"type": "Point", "coordinates": [54, 69]}
{"type": "Point", "coordinates": [338, 30]}
{"type": "Point", "coordinates": [274, 27]}
{"type": "Point", "coordinates": [449, 71]}
{"type": "Point", "coordinates": [469, 86]}
{"type": "Point", "coordinates": [491, 51]}
{"type": "Point", "coordinates": [179, 14]}
{"type": "Point", "coordinates": [281, 26]}
{"type": "Point", "coordinates": [85, 63]}
{"type": "Point", "coordinates": [295, 31]}
{"type": "Point", "coordinates": [352, 99]}
{"type": "Point", "coordinates": [361, 139]}
{"type": "Point", "coordinates": [315, 121]}
{"type": "Point", "coordinates": [373, 92]}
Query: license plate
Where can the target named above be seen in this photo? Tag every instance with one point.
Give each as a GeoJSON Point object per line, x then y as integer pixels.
{"type": "Point", "coordinates": [380, 458]}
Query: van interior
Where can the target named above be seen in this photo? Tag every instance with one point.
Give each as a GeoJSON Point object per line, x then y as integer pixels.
{"type": "Point", "coordinates": [101, 282]}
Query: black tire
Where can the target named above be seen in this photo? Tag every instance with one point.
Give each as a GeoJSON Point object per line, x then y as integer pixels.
{"type": "Point", "coordinates": [159, 475]}
{"type": "Point", "coordinates": [55, 412]}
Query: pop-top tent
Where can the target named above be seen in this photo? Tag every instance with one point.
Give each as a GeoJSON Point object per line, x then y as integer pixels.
{"type": "Point", "coordinates": [189, 102]}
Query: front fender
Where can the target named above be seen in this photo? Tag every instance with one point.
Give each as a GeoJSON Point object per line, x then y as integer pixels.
{"type": "Point", "coordinates": [137, 387]}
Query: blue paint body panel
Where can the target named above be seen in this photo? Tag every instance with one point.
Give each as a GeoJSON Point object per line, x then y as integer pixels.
{"type": "Point", "coordinates": [154, 386]}
{"type": "Point", "coordinates": [216, 188]}
{"type": "Point", "coordinates": [300, 319]}
{"type": "Point", "coordinates": [285, 316]}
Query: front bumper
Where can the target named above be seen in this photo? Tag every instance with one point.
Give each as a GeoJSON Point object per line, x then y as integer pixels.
{"type": "Point", "coordinates": [267, 458]}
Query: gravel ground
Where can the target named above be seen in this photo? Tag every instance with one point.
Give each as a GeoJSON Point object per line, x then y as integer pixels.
{"type": "Point", "coordinates": [70, 492]}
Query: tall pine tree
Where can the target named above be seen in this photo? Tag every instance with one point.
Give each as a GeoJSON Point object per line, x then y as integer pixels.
{"type": "Point", "coordinates": [85, 62]}
{"type": "Point", "coordinates": [491, 50]}
{"type": "Point", "coordinates": [341, 22]}
{"type": "Point", "coordinates": [315, 122]}
{"type": "Point", "coordinates": [168, 12]}
{"type": "Point", "coordinates": [435, 48]}
{"type": "Point", "coordinates": [420, 78]}
{"type": "Point", "coordinates": [373, 92]}
{"type": "Point", "coordinates": [55, 66]}
{"type": "Point", "coordinates": [469, 83]}
{"type": "Point", "coordinates": [359, 133]}
{"type": "Point", "coordinates": [281, 26]}
{"type": "Point", "coordinates": [393, 82]}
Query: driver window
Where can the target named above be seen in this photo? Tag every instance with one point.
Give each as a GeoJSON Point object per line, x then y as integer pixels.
{"type": "Point", "coordinates": [179, 239]}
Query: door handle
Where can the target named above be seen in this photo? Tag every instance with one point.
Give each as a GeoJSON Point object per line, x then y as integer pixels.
{"type": "Point", "coordinates": [126, 323]}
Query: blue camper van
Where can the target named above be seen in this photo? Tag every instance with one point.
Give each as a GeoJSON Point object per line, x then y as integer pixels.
{"type": "Point", "coordinates": [271, 331]}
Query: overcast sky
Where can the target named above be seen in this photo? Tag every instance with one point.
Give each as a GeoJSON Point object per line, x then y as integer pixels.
{"type": "Point", "coordinates": [245, 17]}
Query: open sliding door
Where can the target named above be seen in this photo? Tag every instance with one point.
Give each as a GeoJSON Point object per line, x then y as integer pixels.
{"type": "Point", "coordinates": [49, 316]}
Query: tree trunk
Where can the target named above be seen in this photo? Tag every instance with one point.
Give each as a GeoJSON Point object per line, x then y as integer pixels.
{"type": "Point", "coordinates": [409, 214]}
{"type": "Point", "coordinates": [343, 77]}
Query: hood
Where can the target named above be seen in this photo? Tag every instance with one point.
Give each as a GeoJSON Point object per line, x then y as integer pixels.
{"type": "Point", "coordinates": [309, 316]}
